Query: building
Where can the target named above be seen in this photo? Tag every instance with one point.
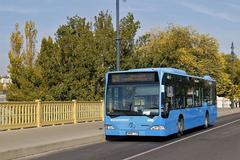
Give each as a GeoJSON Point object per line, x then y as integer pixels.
{"type": "Point", "coordinates": [5, 80]}
{"type": "Point", "coordinates": [2, 97]}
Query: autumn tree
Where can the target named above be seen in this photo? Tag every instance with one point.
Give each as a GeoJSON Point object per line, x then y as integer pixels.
{"type": "Point", "coordinates": [30, 42]}
{"type": "Point", "coordinates": [16, 66]}
{"type": "Point", "coordinates": [184, 48]}
{"type": "Point", "coordinates": [25, 79]}
{"type": "Point", "coordinates": [235, 84]}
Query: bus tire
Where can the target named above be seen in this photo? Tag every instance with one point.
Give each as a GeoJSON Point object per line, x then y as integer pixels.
{"type": "Point", "coordinates": [180, 126]}
{"type": "Point", "coordinates": [108, 138]}
{"type": "Point", "coordinates": [206, 121]}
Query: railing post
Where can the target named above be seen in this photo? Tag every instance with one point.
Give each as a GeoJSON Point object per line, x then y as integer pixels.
{"type": "Point", "coordinates": [38, 113]}
{"type": "Point", "coordinates": [74, 111]}
{"type": "Point", "coordinates": [102, 110]}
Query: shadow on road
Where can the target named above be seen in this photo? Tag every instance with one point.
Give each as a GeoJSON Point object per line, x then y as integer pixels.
{"type": "Point", "coordinates": [154, 138]}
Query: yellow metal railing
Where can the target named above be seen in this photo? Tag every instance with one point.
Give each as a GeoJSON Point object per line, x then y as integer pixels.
{"type": "Point", "coordinates": [36, 114]}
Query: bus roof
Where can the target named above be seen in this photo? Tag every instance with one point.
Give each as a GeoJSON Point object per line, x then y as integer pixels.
{"type": "Point", "coordinates": [165, 70]}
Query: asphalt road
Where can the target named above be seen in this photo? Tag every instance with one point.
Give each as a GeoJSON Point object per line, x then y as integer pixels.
{"type": "Point", "coordinates": [220, 142]}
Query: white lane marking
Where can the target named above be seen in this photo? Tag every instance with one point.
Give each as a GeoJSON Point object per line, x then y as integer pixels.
{"type": "Point", "coordinates": [183, 139]}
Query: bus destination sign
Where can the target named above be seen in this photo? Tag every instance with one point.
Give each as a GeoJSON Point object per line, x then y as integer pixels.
{"type": "Point", "coordinates": [133, 77]}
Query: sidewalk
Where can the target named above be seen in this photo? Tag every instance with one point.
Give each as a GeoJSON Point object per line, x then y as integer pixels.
{"type": "Point", "coordinates": [25, 142]}
{"type": "Point", "coordinates": [227, 111]}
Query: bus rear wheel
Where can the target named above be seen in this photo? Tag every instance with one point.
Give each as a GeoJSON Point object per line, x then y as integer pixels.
{"type": "Point", "coordinates": [206, 121]}
{"type": "Point", "coordinates": [108, 138]}
{"type": "Point", "coordinates": [180, 126]}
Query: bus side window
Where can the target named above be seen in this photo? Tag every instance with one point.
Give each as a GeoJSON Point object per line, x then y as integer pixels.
{"type": "Point", "coordinates": [208, 92]}
{"type": "Point", "coordinates": [189, 95]}
{"type": "Point", "coordinates": [180, 91]}
{"type": "Point", "coordinates": [214, 93]}
{"type": "Point", "coordinates": [197, 93]}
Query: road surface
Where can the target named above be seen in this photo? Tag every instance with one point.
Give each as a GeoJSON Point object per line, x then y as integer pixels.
{"type": "Point", "coordinates": [220, 142]}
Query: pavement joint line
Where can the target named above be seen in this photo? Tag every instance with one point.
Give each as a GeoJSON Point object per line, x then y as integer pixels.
{"type": "Point", "coordinates": [183, 139]}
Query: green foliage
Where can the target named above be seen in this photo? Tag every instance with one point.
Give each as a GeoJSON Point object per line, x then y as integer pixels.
{"type": "Point", "coordinates": [128, 30]}
{"type": "Point", "coordinates": [184, 48]}
{"type": "Point", "coordinates": [73, 65]}
{"type": "Point", "coordinates": [48, 67]}
{"type": "Point", "coordinates": [15, 67]}
{"type": "Point", "coordinates": [104, 36]}
{"type": "Point", "coordinates": [25, 78]}
{"type": "Point", "coordinates": [81, 55]}
{"type": "Point", "coordinates": [77, 59]}
{"type": "Point", "coordinates": [234, 85]}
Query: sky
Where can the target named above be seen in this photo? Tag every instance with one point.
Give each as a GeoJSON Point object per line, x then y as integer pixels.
{"type": "Point", "coordinates": [218, 18]}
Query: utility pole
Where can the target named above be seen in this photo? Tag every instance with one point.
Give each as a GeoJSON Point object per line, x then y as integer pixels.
{"type": "Point", "coordinates": [118, 36]}
{"type": "Point", "coordinates": [232, 54]}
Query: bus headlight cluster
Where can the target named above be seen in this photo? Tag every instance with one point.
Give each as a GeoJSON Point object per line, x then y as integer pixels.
{"type": "Point", "coordinates": [109, 127]}
{"type": "Point", "coordinates": [157, 127]}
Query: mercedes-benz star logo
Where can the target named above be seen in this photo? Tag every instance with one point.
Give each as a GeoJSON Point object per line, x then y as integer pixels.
{"type": "Point", "coordinates": [131, 125]}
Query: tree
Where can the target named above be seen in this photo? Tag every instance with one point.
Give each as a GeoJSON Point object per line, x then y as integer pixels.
{"type": "Point", "coordinates": [234, 86]}
{"type": "Point", "coordinates": [104, 36]}
{"type": "Point", "coordinates": [49, 67]}
{"type": "Point", "coordinates": [25, 79]}
{"type": "Point", "coordinates": [128, 29]}
{"type": "Point", "coordinates": [30, 39]}
{"type": "Point", "coordinates": [76, 43]}
{"type": "Point", "coordinates": [184, 48]}
{"type": "Point", "coordinates": [86, 51]}
{"type": "Point", "coordinates": [15, 68]}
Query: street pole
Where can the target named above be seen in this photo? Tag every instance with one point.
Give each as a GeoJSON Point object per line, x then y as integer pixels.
{"type": "Point", "coordinates": [232, 54]}
{"type": "Point", "coordinates": [117, 36]}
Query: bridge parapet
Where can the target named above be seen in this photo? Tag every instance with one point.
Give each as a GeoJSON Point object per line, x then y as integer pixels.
{"type": "Point", "coordinates": [42, 113]}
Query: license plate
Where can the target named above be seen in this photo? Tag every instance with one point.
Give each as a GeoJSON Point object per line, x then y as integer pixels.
{"type": "Point", "coordinates": [132, 133]}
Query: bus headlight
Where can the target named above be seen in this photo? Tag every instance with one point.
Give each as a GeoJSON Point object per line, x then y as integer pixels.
{"type": "Point", "coordinates": [109, 127]}
{"type": "Point", "coordinates": [158, 127]}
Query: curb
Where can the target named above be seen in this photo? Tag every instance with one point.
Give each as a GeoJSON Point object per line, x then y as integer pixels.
{"type": "Point", "coordinates": [24, 152]}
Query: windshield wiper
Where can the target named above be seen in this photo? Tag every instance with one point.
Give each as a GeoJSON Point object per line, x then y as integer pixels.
{"type": "Point", "coordinates": [149, 116]}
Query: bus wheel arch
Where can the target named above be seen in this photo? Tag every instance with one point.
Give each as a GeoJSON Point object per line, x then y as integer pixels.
{"type": "Point", "coordinates": [180, 125]}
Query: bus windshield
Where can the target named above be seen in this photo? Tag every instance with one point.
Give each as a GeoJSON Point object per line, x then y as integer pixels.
{"type": "Point", "coordinates": [136, 99]}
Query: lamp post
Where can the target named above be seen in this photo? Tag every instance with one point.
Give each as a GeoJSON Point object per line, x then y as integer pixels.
{"type": "Point", "coordinates": [118, 35]}
{"type": "Point", "coordinates": [232, 58]}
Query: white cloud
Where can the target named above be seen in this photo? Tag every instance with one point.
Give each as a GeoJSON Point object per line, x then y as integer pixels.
{"type": "Point", "coordinates": [233, 5]}
{"type": "Point", "coordinates": [141, 6]}
{"type": "Point", "coordinates": [210, 12]}
{"type": "Point", "coordinates": [12, 9]}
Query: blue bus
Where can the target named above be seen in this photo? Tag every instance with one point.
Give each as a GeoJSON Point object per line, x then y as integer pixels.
{"type": "Point", "coordinates": [157, 102]}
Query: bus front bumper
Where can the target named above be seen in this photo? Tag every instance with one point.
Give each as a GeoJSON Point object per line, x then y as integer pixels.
{"type": "Point", "coordinates": [136, 133]}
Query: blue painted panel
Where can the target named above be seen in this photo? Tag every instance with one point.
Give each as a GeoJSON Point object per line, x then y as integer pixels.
{"type": "Point", "coordinates": [142, 124]}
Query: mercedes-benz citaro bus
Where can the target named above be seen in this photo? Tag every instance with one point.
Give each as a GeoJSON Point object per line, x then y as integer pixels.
{"type": "Point", "coordinates": [157, 102]}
